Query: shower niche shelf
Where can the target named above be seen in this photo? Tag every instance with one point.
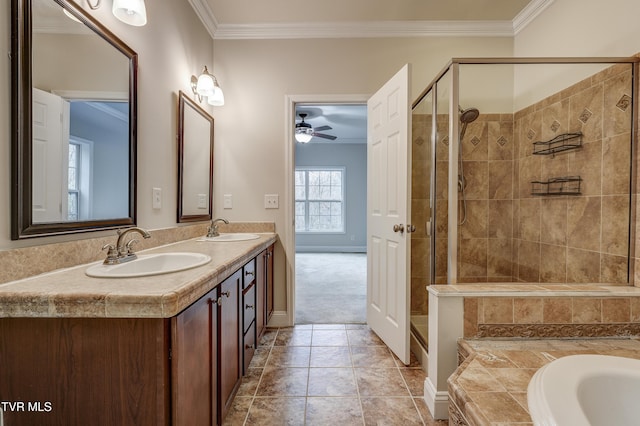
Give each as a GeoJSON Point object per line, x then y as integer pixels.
{"type": "Point", "coordinates": [563, 142]}
{"type": "Point", "coordinates": [566, 185]}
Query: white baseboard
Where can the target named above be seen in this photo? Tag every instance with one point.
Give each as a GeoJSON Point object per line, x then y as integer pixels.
{"type": "Point", "coordinates": [331, 249]}
{"type": "Point", "coordinates": [437, 402]}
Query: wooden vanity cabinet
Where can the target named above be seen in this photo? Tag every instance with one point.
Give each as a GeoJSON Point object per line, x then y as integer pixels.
{"type": "Point", "coordinates": [229, 341]}
{"type": "Point", "coordinates": [183, 370]}
{"type": "Point", "coordinates": [264, 290]}
{"type": "Point", "coordinates": [248, 313]}
{"type": "Point", "coordinates": [194, 363]}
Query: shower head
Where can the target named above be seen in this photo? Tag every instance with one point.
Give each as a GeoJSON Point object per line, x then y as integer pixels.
{"type": "Point", "coordinates": [468, 115]}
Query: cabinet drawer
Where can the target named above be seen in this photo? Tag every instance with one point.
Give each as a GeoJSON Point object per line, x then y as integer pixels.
{"type": "Point", "coordinates": [249, 346]}
{"type": "Point", "coordinates": [249, 273]}
{"type": "Point", "coordinates": [249, 307]}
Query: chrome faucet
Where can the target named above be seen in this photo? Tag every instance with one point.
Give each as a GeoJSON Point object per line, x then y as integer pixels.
{"type": "Point", "coordinates": [123, 252]}
{"type": "Point", "coordinates": [212, 231]}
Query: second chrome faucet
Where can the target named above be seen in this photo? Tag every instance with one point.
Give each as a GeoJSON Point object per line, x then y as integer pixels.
{"type": "Point", "coordinates": [212, 231]}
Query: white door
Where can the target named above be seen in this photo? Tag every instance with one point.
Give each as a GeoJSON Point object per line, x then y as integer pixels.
{"type": "Point", "coordinates": [388, 210]}
{"type": "Point", "coordinates": [48, 162]}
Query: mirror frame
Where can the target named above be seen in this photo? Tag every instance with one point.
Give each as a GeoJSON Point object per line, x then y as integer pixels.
{"type": "Point", "coordinates": [22, 225]}
{"type": "Point", "coordinates": [185, 102]}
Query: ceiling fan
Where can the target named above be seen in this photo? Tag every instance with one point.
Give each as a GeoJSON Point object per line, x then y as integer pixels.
{"type": "Point", "coordinates": [304, 131]}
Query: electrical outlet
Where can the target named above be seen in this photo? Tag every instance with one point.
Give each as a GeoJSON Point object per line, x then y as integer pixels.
{"type": "Point", "coordinates": [157, 198]}
{"type": "Point", "coordinates": [228, 201]}
{"type": "Point", "coordinates": [271, 201]}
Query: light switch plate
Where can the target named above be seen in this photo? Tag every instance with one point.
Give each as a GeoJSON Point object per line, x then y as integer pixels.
{"type": "Point", "coordinates": [271, 201]}
{"type": "Point", "coordinates": [228, 201]}
{"type": "Point", "coordinates": [202, 201]}
{"type": "Point", "coordinates": [157, 198]}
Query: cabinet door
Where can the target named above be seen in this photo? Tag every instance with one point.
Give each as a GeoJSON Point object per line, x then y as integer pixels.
{"type": "Point", "coordinates": [229, 341]}
{"type": "Point", "coordinates": [194, 366]}
{"type": "Point", "coordinates": [261, 294]}
{"type": "Point", "coordinates": [269, 277]}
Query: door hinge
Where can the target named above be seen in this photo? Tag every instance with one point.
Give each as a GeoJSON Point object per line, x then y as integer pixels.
{"type": "Point", "coordinates": [170, 354]}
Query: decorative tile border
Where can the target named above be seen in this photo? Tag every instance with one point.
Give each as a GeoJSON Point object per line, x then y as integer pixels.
{"type": "Point", "coordinates": [530, 331]}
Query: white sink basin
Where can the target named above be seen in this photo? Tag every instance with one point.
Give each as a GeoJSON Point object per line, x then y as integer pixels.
{"type": "Point", "coordinates": [231, 237]}
{"type": "Point", "coordinates": [149, 264]}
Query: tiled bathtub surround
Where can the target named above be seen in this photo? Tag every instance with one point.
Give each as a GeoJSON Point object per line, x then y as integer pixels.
{"type": "Point", "coordinates": [549, 317]}
{"type": "Point", "coordinates": [25, 262]}
{"type": "Point", "coordinates": [490, 385]}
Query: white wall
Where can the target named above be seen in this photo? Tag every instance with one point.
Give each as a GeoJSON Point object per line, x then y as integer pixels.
{"type": "Point", "coordinates": [582, 28]}
{"type": "Point", "coordinates": [171, 47]}
{"type": "Point", "coordinates": [353, 157]}
{"type": "Point", "coordinates": [573, 28]}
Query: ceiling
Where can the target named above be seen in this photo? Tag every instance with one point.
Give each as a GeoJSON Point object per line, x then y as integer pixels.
{"type": "Point", "coordinates": [277, 11]}
{"type": "Point", "coordinates": [241, 19]}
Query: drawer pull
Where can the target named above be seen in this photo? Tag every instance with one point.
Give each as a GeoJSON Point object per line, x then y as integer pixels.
{"type": "Point", "coordinates": [249, 273]}
{"type": "Point", "coordinates": [226, 293]}
{"type": "Point", "coordinates": [249, 307]}
{"type": "Point", "coordinates": [249, 347]}
{"type": "Point", "coordinates": [219, 301]}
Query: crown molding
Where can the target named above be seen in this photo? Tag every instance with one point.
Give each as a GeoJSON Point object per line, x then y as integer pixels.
{"type": "Point", "coordinates": [529, 13]}
{"type": "Point", "coordinates": [380, 29]}
{"type": "Point", "coordinates": [202, 9]}
{"type": "Point", "coordinates": [301, 30]}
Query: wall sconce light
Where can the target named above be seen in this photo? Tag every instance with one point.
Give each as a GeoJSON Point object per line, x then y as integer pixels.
{"type": "Point", "coordinates": [132, 12]}
{"type": "Point", "coordinates": [92, 6]}
{"type": "Point", "coordinates": [206, 86]}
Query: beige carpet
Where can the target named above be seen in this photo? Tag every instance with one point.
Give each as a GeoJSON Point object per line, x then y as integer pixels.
{"type": "Point", "coordinates": [331, 288]}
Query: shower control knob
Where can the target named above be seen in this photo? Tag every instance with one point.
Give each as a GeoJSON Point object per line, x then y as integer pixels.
{"type": "Point", "coordinates": [398, 228]}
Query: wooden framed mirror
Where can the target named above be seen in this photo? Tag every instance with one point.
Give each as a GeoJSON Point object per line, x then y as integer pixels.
{"type": "Point", "coordinates": [75, 173]}
{"type": "Point", "coordinates": [195, 161]}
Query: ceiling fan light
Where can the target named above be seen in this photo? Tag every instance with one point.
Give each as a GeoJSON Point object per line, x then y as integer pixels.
{"type": "Point", "coordinates": [132, 12]}
{"type": "Point", "coordinates": [304, 132]}
{"type": "Point", "coordinates": [303, 137]}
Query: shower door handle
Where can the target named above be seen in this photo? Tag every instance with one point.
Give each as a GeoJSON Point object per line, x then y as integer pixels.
{"type": "Point", "coordinates": [398, 228]}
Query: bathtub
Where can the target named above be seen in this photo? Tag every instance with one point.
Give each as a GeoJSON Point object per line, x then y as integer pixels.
{"type": "Point", "coordinates": [577, 390]}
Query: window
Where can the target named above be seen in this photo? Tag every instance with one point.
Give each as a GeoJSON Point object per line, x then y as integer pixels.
{"type": "Point", "coordinates": [73, 212]}
{"type": "Point", "coordinates": [319, 199]}
{"type": "Point", "coordinates": [79, 180]}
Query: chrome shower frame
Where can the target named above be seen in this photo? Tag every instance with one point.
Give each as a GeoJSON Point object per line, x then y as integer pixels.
{"type": "Point", "coordinates": [453, 67]}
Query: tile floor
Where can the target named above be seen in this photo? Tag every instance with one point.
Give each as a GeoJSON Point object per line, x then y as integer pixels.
{"type": "Point", "coordinates": [326, 375]}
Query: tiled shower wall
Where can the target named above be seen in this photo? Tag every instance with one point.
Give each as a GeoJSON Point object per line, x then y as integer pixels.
{"type": "Point", "coordinates": [420, 159]}
{"type": "Point", "coordinates": [576, 239]}
{"type": "Point", "coordinates": [510, 235]}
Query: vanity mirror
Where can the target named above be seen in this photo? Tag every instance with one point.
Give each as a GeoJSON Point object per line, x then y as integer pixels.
{"type": "Point", "coordinates": [195, 161]}
{"type": "Point", "coordinates": [73, 123]}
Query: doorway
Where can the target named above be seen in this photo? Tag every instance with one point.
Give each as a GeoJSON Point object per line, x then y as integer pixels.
{"type": "Point", "coordinates": [329, 177]}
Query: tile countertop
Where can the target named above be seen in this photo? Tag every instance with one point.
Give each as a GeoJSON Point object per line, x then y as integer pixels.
{"type": "Point", "coordinates": [490, 385]}
{"type": "Point", "coordinates": [70, 293]}
{"type": "Point", "coordinates": [532, 290]}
